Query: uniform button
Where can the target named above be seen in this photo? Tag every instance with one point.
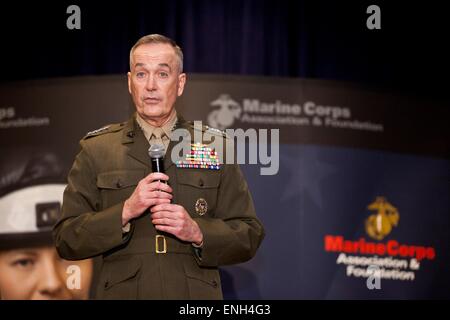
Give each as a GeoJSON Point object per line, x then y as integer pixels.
{"type": "Point", "coordinates": [130, 134]}
{"type": "Point", "coordinates": [200, 183]}
{"type": "Point", "coordinates": [119, 184]}
{"type": "Point", "coordinates": [106, 284]}
{"type": "Point", "coordinates": [214, 283]}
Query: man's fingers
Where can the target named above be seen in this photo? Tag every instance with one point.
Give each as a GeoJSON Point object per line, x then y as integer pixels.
{"type": "Point", "coordinates": [152, 202]}
{"type": "Point", "coordinates": [165, 214]}
{"type": "Point", "coordinates": [158, 195]}
{"type": "Point", "coordinates": [156, 176]}
{"type": "Point", "coordinates": [165, 221]}
{"type": "Point", "coordinates": [166, 207]}
{"type": "Point", "coordinates": [158, 185]}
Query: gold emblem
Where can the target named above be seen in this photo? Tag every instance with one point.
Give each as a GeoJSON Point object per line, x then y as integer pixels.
{"type": "Point", "coordinates": [379, 224]}
{"type": "Point", "coordinates": [201, 206]}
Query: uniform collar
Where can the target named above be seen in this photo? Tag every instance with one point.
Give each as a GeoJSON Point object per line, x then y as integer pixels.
{"type": "Point", "coordinates": [148, 129]}
{"type": "Point", "coordinates": [138, 145]}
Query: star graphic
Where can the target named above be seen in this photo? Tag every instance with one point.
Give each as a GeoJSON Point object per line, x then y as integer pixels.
{"type": "Point", "coordinates": [306, 171]}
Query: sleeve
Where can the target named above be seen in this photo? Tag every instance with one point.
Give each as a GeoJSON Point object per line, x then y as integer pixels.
{"type": "Point", "coordinates": [84, 231]}
{"type": "Point", "coordinates": [235, 233]}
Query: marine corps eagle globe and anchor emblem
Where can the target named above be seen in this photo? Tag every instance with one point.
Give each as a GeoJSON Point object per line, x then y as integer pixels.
{"type": "Point", "coordinates": [201, 206]}
{"type": "Point", "coordinates": [380, 223]}
{"type": "Point", "coordinates": [228, 111]}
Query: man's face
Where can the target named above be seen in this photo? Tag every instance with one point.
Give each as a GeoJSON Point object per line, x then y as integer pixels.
{"type": "Point", "coordinates": [155, 82]}
{"type": "Point", "coordinates": [40, 274]}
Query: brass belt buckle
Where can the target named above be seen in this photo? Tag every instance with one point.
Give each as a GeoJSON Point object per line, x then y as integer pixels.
{"type": "Point", "coordinates": [164, 250]}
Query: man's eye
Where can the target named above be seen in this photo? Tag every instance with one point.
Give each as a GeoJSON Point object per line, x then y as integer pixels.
{"type": "Point", "coordinates": [24, 263]}
{"type": "Point", "coordinates": [163, 74]}
{"type": "Point", "coordinates": [140, 74]}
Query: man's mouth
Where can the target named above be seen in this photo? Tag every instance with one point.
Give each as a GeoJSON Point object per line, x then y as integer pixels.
{"type": "Point", "coordinates": [151, 100]}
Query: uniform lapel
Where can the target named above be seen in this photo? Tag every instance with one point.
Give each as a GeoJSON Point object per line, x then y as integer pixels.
{"type": "Point", "coordinates": [134, 138]}
{"type": "Point", "coordinates": [181, 123]}
{"type": "Point", "coordinates": [167, 157]}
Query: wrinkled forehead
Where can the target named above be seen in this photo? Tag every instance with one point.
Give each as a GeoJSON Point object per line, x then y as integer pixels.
{"type": "Point", "coordinates": [154, 54]}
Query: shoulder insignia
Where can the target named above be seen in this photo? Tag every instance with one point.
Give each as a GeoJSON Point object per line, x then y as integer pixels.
{"type": "Point", "coordinates": [94, 132]}
{"type": "Point", "coordinates": [208, 129]}
{"type": "Point", "coordinates": [217, 131]}
{"type": "Point", "coordinates": [103, 130]}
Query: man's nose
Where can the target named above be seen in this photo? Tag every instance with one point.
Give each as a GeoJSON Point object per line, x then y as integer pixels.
{"type": "Point", "coordinates": [151, 84]}
{"type": "Point", "coordinates": [51, 285]}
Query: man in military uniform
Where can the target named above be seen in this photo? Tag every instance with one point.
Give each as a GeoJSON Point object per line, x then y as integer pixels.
{"type": "Point", "coordinates": [161, 236]}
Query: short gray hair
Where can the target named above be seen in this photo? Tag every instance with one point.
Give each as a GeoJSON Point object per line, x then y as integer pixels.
{"type": "Point", "coordinates": [157, 38]}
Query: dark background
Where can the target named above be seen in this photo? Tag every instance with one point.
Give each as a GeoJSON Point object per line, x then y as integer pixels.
{"type": "Point", "coordinates": [323, 190]}
{"type": "Point", "coordinates": [313, 39]}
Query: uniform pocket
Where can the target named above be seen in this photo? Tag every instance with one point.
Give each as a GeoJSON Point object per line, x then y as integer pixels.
{"type": "Point", "coordinates": [116, 186]}
{"type": "Point", "coordinates": [203, 283]}
{"type": "Point", "coordinates": [119, 279]}
{"type": "Point", "coordinates": [195, 184]}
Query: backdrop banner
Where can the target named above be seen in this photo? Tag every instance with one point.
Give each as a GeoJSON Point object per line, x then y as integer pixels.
{"type": "Point", "coordinates": [356, 206]}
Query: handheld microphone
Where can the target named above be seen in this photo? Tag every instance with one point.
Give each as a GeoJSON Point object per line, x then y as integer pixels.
{"type": "Point", "coordinates": [156, 153]}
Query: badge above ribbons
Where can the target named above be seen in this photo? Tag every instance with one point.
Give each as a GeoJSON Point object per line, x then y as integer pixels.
{"type": "Point", "coordinates": [200, 157]}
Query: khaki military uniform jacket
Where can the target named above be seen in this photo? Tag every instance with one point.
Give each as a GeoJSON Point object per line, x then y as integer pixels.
{"type": "Point", "coordinates": [145, 263]}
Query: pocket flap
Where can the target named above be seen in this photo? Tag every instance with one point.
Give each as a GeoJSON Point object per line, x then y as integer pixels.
{"type": "Point", "coordinates": [200, 178]}
{"type": "Point", "coordinates": [119, 179]}
{"type": "Point", "coordinates": [121, 270]}
{"type": "Point", "coordinates": [206, 275]}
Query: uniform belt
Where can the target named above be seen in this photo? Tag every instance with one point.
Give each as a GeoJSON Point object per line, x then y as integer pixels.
{"type": "Point", "coordinates": [164, 244]}
{"type": "Point", "coordinates": [160, 244]}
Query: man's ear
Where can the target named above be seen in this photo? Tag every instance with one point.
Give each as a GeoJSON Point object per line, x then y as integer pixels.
{"type": "Point", "coordinates": [129, 82]}
{"type": "Point", "coordinates": [181, 83]}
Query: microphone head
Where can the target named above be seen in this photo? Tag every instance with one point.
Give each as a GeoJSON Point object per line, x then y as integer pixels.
{"type": "Point", "coordinates": [156, 151]}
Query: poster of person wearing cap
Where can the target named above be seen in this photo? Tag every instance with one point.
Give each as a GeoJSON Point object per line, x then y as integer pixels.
{"type": "Point", "coordinates": [30, 267]}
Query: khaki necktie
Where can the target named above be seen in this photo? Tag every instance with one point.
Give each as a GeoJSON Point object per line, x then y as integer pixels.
{"type": "Point", "coordinates": [157, 137]}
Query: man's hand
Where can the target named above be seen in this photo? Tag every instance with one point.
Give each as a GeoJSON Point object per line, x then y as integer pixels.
{"type": "Point", "coordinates": [149, 192]}
{"type": "Point", "coordinates": [175, 220]}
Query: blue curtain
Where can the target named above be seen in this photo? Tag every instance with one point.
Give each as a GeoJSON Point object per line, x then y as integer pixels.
{"type": "Point", "coordinates": [314, 39]}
